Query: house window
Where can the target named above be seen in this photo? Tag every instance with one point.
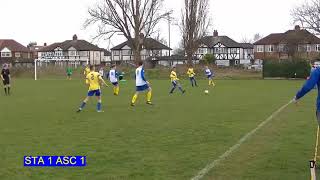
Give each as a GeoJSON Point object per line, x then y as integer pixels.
{"type": "Point", "coordinates": [72, 53]}
{"type": "Point", "coordinates": [17, 55]}
{"type": "Point", "coordinates": [233, 50]}
{"type": "Point", "coordinates": [127, 52]}
{"type": "Point", "coordinates": [200, 51]}
{"type": "Point", "coordinates": [281, 47]}
{"type": "Point", "coordinates": [308, 48]}
{"type": "Point", "coordinates": [219, 50]}
{"type": "Point", "coordinates": [116, 53]}
{"type": "Point", "coordinates": [318, 47]}
{"type": "Point", "coordinates": [6, 54]}
{"type": "Point", "coordinates": [270, 48]}
{"type": "Point", "coordinates": [260, 48]}
{"type": "Point", "coordinates": [58, 53]}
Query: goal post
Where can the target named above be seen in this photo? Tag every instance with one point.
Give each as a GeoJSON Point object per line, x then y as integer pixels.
{"type": "Point", "coordinates": [42, 63]}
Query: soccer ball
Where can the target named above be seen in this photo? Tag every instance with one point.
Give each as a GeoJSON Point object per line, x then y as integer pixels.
{"type": "Point", "coordinates": [206, 91]}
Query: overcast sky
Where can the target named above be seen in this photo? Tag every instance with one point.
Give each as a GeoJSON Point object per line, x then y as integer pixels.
{"type": "Point", "coordinates": [57, 20]}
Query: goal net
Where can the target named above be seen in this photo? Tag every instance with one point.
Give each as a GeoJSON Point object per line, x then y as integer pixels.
{"type": "Point", "coordinates": [57, 68]}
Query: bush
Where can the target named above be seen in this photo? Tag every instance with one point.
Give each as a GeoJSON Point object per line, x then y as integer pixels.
{"type": "Point", "coordinates": [286, 69]}
{"type": "Point", "coordinates": [209, 59]}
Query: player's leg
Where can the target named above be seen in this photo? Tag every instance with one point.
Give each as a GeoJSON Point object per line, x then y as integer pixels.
{"type": "Point", "coordinates": [118, 89]}
{"type": "Point", "coordinates": [195, 82]}
{"type": "Point", "coordinates": [174, 85]}
{"type": "Point", "coordinates": [134, 98]}
{"type": "Point", "coordinates": [84, 102]}
{"type": "Point", "coordinates": [98, 95]}
{"type": "Point", "coordinates": [318, 117]}
{"type": "Point", "coordinates": [180, 88]}
{"type": "Point", "coordinates": [191, 80]}
{"type": "Point", "coordinates": [149, 96]}
{"type": "Point", "coordinates": [8, 88]}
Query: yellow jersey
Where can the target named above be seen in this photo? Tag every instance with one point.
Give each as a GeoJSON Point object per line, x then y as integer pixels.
{"type": "Point", "coordinates": [173, 76]}
{"type": "Point", "coordinates": [191, 72]}
{"type": "Point", "coordinates": [86, 71]}
{"type": "Point", "coordinates": [93, 80]}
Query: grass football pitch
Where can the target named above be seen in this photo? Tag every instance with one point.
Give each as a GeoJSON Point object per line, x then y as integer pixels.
{"type": "Point", "coordinates": [172, 140]}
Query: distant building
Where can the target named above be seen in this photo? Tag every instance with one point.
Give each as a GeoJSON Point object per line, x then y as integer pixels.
{"type": "Point", "coordinates": [151, 48]}
{"type": "Point", "coordinates": [226, 51]}
{"type": "Point", "coordinates": [34, 49]}
{"type": "Point", "coordinates": [106, 56]}
{"type": "Point", "coordinates": [74, 51]}
{"type": "Point", "coordinates": [13, 52]}
{"type": "Point", "coordinates": [292, 43]}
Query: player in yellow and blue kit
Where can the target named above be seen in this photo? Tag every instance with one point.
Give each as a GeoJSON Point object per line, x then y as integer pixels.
{"type": "Point", "coordinates": [93, 79]}
{"type": "Point", "coordinates": [192, 75]}
{"type": "Point", "coordinates": [86, 71]}
{"type": "Point", "coordinates": [209, 75]}
{"type": "Point", "coordinates": [141, 85]}
{"type": "Point", "coordinates": [175, 81]}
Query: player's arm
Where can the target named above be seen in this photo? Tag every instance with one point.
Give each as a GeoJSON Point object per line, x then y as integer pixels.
{"type": "Point", "coordinates": [103, 81]}
{"type": "Point", "coordinates": [310, 83]}
{"type": "Point", "coordinates": [143, 77]}
{"type": "Point", "coordinates": [2, 77]}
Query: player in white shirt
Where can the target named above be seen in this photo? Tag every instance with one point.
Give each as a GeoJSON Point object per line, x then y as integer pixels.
{"type": "Point", "coordinates": [101, 72]}
{"type": "Point", "coordinates": [209, 75]}
{"type": "Point", "coordinates": [141, 85]}
{"type": "Point", "coordinates": [113, 77]}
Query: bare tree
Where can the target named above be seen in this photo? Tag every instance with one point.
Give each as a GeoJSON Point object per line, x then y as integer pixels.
{"type": "Point", "coordinates": [308, 15]}
{"type": "Point", "coordinates": [194, 25]}
{"type": "Point", "coordinates": [257, 37]}
{"type": "Point", "coordinates": [135, 19]}
{"type": "Point", "coordinates": [246, 40]}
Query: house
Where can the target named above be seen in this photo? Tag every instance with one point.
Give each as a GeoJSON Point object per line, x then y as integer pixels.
{"type": "Point", "coordinates": [151, 48]}
{"type": "Point", "coordinates": [13, 52]}
{"type": "Point", "coordinates": [226, 51]}
{"type": "Point", "coordinates": [34, 49]}
{"type": "Point", "coordinates": [106, 56]}
{"type": "Point", "coordinates": [73, 51]}
{"type": "Point", "coordinates": [292, 43]}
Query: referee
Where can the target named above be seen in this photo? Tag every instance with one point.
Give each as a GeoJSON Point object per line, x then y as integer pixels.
{"type": "Point", "coordinates": [5, 76]}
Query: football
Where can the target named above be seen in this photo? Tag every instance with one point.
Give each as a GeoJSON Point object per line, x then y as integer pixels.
{"type": "Point", "coordinates": [206, 91]}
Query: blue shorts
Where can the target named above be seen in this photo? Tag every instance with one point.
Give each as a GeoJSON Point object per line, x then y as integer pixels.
{"type": "Point", "coordinates": [209, 76]}
{"type": "Point", "coordinates": [142, 88]}
{"type": "Point", "coordinates": [94, 92]}
{"type": "Point", "coordinates": [115, 83]}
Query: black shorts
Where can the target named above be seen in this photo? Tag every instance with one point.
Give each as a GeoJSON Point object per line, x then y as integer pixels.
{"type": "Point", "coordinates": [6, 81]}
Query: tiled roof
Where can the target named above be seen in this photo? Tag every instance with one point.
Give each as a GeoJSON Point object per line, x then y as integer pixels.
{"type": "Point", "coordinates": [294, 36]}
{"type": "Point", "coordinates": [149, 43]}
{"type": "Point", "coordinates": [246, 45]}
{"type": "Point", "coordinates": [210, 41]}
{"type": "Point", "coordinates": [80, 45]}
{"type": "Point", "coordinates": [12, 45]}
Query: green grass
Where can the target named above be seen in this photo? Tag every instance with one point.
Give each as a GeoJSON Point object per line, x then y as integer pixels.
{"type": "Point", "coordinates": [174, 139]}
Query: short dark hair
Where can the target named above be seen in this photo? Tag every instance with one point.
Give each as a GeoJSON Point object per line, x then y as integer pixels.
{"type": "Point", "coordinates": [140, 63]}
{"type": "Point", "coordinates": [91, 67]}
{"type": "Point", "coordinates": [113, 65]}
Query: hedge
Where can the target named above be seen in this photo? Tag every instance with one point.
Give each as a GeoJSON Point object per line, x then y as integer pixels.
{"type": "Point", "coordinates": [286, 69]}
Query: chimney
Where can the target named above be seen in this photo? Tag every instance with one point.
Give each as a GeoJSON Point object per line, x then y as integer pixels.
{"type": "Point", "coordinates": [45, 44]}
{"type": "Point", "coordinates": [297, 27]}
{"type": "Point", "coordinates": [75, 37]}
{"type": "Point", "coordinates": [215, 33]}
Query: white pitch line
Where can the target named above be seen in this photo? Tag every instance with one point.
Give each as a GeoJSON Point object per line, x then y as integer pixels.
{"type": "Point", "coordinates": [206, 170]}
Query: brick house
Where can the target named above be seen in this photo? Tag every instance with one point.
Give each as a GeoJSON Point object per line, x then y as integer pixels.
{"type": "Point", "coordinates": [75, 51]}
{"type": "Point", "coordinates": [11, 52]}
{"type": "Point", "coordinates": [297, 43]}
